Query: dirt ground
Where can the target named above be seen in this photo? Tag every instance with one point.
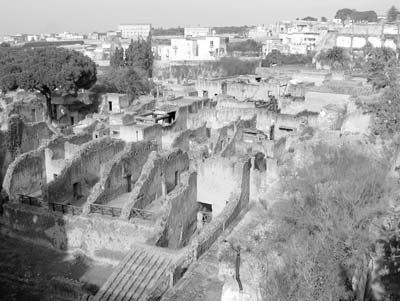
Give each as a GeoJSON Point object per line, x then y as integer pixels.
{"type": "Point", "coordinates": [26, 270]}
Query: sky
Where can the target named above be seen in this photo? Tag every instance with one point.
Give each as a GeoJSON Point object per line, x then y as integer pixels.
{"type": "Point", "coordinates": [83, 16]}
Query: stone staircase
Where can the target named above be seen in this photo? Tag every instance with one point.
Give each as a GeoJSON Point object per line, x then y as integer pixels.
{"type": "Point", "coordinates": [142, 272]}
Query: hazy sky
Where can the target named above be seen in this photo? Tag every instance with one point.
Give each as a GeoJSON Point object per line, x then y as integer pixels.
{"type": "Point", "coordinates": [34, 16]}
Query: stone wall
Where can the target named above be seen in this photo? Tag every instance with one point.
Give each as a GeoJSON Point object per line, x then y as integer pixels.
{"type": "Point", "coordinates": [210, 233]}
{"type": "Point", "coordinates": [182, 208]}
{"type": "Point", "coordinates": [26, 174]}
{"type": "Point", "coordinates": [84, 168]}
{"type": "Point", "coordinates": [182, 141]}
{"type": "Point", "coordinates": [241, 91]}
{"type": "Point", "coordinates": [99, 238]}
{"type": "Point", "coordinates": [34, 135]}
{"type": "Point", "coordinates": [161, 172]}
{"type": "Point", "coordinates": [114, 177]}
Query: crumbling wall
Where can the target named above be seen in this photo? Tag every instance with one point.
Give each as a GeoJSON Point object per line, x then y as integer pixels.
{"type": "Point", "coordinates": [241, 91]}
{"type": "Point", "coordinates": [84, 168]}
{"type": "Point", "coordinates": [182, 141]}
{"type": "Point", "coordinates": [182, 213]}
{"type": "Point", "coordinates": [97, 237]}
{"type": "Point", "coordinates": [127, 165]}
{"type": "Point", "coordinates": [59, 150]}
{"type": "Point", "coordinates": [26, 174]}
{"type": "Point", "coordinates": [34, 135]}
{"type": "Point", "coordinates": [180, 123]}
{"type": "Point", "coordinates": [161, 172]}
{"type": "Point", "coordinates": [210, 233]}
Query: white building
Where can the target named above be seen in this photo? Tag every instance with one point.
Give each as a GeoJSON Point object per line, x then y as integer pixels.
{"type": "Point", "coordinates": [259, 33]}
{"type": "Point", "coordinates": [134, 31]}
{"type": "Point", "coordinates": [199, 49]}
{"type": "Point", "coordinates": [195, 32]}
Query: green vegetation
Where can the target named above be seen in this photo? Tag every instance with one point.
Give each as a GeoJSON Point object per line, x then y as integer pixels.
{"type": "Point", "coordinates": [277, 58]}
{"type": "Point", "coordinates": [356, 16]}
{"type": "Point", "coordinates": [248, 46]}
{"type": "Point", "coordinates": [173, 31]}
{"type": "Point", "coordinates": [130, 70]}
{"type": "Point", "coordinates": [45, 70]}
{"type": "Point", "coordinates": [322, 231]}
{"type": "Point", "coordinates": [310, 19]}
{"type": "Point", "coordinates": [228, 66]}
{"type": "Point", "coordinates": [337, 58]}
{"type": "Point", "coordinates": [138, 55]}
{"type": "Point", "coordinates": [129, 80]}
{"type": "Point", "coordinates": [393, 14]}
{"type": "Point", "coordinates": [238, 30]}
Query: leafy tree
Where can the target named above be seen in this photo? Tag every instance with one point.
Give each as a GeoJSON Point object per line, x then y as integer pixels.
{"type": "Point", "coordinates": [275, 57]}
{"type": "Point", "coordinates": [129, 80]}
{"type": "Point", "coordinates": [324, 19]}
{"type": "Point", "coordinates": [393, 14]}
{"type": "Point", "coordinates": [46, 70]}
{"type": "Point", "coordinates": [343, 14]}
{"type": "Point", "coordinates": [140, 55]}
{"type": "Point", "coordinates": [117, 59]}
{"type": "Point", "coordinates": [309, 19]}
{"type": "Point", "coordinates": [354, 15]}
{"type": "Point", "coordinates": [335, 57]}
{"type": "Point", "coordinates": [380, 67]}
{"type": "Point", "coordinates": [5, 44]}
{"type": "Point", "coordinates": [244, 46]}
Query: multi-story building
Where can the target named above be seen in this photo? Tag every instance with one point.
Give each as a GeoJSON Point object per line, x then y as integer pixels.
{"type": "Point", "coordinates": [197, 49]}
{"type": "Point", "coordinates": [195, 32]}
{"type": "Point", "coordinates": [134, 31]}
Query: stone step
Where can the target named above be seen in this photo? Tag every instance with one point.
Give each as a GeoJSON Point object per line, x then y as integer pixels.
{"type": "Point", "coordinates": [122, 287]}
{"type": "Point", "coordinates": [150, 283]}
{"type": "Point", "coordinates": [151, 269]}
{"type": "Point", "coordinates": [142, 269]}
{"type": "Point", "coordinates": [122, 278]}
{"type": "Point", "coordinates": [138, 275]}
{"type": "Point", "coordinates": [115, 275]}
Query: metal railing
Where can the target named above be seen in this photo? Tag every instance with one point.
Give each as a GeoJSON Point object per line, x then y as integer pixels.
{"type": "Point", "coordinates": [105, 210]}
{"type": "Point", "coordinates": [65, 209]}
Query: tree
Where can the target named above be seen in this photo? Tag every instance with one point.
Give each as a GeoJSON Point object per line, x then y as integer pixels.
{"type": "Point", "coordinates": [343, 14]}
{"type": "Point", "coordinates": [324, 19]}
{"type": "Point", "coordinates": [335, 57]}
{"type": "Point", "coordinates": [117, 59]}
{"type": "Point", "coordinates": [309, 18]}
{"type": "Point", "coordinates": [128, 80]}
{"type": "Point", "coordinates": [380, 67]}
{"type": "Point", "coordinates": [140, 55]}
{"type": "Point", "coordinates": [356, 16]}
{"type": "Point", "coordinates": [393, 14]}
{"type": "Point", "coordinates": [5, 44]}
{"type": "Point", "coordinates": [46, 70]}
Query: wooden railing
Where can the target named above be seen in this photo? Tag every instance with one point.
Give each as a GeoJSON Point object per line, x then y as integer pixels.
{"type": "Point", "coordinates": [136, 212]}
{"type": "Point", "coordinates": [105, 210]}
{"type": "Point", "coordinates": [31, 201]}
{"type": "Point", "coordinates": [65, 209]}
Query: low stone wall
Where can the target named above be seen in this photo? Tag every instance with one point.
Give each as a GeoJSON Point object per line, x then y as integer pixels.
{"type": "Point", "coordinates": [98, 237]}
